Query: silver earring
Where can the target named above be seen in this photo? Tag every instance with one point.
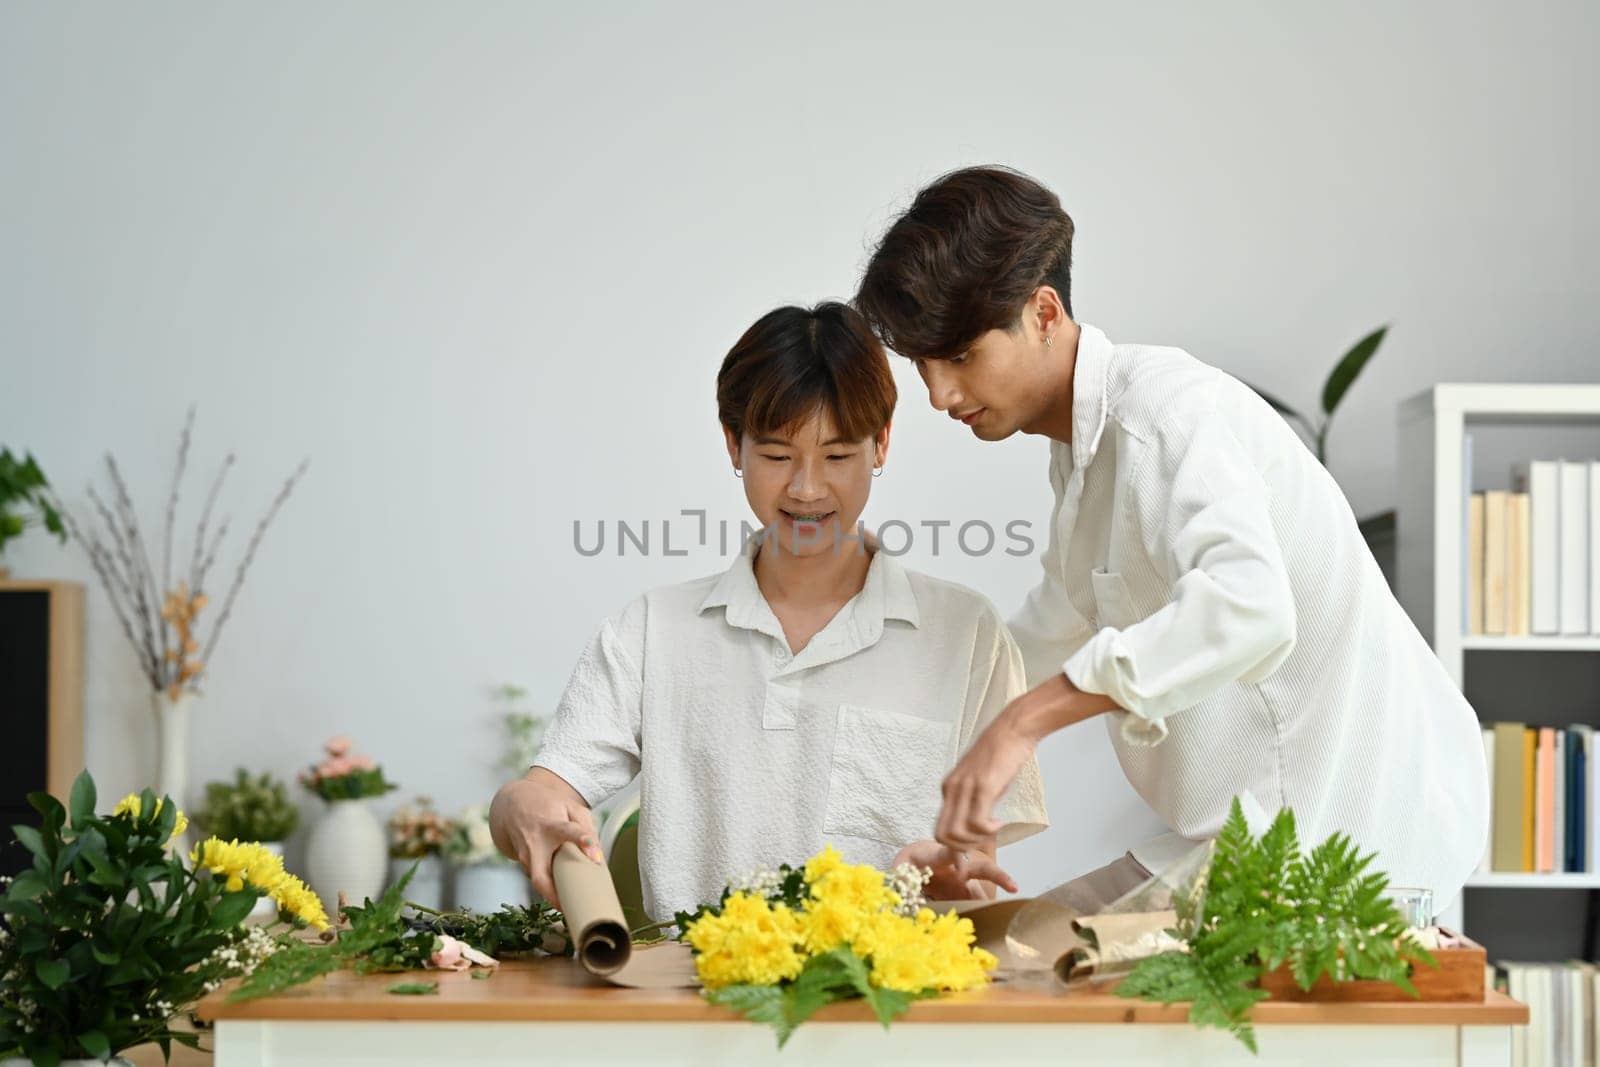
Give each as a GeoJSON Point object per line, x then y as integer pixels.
{"type": "Point", "coordinates": [737, 473]}
{"type": "Point", "coordinates": [877, 472]}
{"type": "Point", "coordinates": [1049, 341]}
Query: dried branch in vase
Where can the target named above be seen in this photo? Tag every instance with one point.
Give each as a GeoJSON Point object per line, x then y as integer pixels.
{"type": "Point", "coordinates": [158, 617]}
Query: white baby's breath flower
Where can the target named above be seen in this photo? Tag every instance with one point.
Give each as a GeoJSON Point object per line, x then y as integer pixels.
{"type": "Point", "coordinates": [908, 881]}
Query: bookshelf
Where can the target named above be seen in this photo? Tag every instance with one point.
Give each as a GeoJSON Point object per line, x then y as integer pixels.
{"type": "Point", "coordinates": [1429, 566]}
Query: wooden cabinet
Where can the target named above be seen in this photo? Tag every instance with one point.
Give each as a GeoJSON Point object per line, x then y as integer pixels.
{"type": "Point", "coordinates": [41, 700]}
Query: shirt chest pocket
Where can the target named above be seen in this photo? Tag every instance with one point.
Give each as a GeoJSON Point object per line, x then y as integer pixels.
{"type": "Point", "coordinates": [884, 784]}
{"type": "Point", "coordinates": [1112, 601]}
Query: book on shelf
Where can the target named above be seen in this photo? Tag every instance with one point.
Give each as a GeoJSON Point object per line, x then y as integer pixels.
{"type": "Point", "coordinates": [1594, 546]}
{"type": "Point", "coordinates": [1542, 795]}
{"type": "Point", "coordinates": [1531, 554]}
{"type": "Point", "coordinates": [1563, 1000]}
{"type": "Point", "coordinates": [1475, 521]}
{"type": "Point", "coordinates": [1494, 562]}
{"type": "Point", "coordinates": [1519, 561]}
{"type": "Point", "coordinates": [1574, 566]}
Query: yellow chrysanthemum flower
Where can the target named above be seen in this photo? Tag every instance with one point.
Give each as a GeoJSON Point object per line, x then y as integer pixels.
{"type": "Point", "coordinates": [254, 865]}
{"type": "Point", "coordinates": [755, 942]}
{"type": "Point", "coordinates": [750, 942]}
{"type": "Point", "coordinates": [131, 805]}
{"type": "Point", "coordinates": [823, 864]}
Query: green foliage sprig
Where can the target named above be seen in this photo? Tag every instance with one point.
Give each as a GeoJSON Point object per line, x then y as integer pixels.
{"type": "Point", "coordinates": [1265, 904]}
{"type": "Point", "coordinates": [381, 937]}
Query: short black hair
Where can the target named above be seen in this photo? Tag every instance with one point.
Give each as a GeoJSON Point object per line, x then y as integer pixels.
{"type": "Point", "coordinates": [794, 362]}
{"type": "Point", "coordinates": [963, 260]}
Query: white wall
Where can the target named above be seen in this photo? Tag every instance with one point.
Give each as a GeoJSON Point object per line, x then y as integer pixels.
{"type": "Point", "coordinates": [480, 263]}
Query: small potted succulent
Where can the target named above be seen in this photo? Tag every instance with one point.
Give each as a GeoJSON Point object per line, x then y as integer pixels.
{"type": "Point", "coordinates": [417, 834]}
{"type": "Point", "coordinates": [250, 809]}
{"type": "Point", "coordinates": [346, 851]}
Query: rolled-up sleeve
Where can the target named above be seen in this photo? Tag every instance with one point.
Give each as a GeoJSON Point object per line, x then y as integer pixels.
{"type": "Point", "coordinates": [594, 740]}
{"type": "Point", "coordinates": [1204, 513]}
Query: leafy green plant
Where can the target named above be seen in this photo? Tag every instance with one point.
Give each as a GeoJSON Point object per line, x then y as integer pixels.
{"type": "Point", "coordinates": [107, 937]}
{"type": "Point", "coordinates": [1265, 904]}
{"type": "Point", "coordinates": [380, 937]}
{"type": "Point", "coordinates": [1340, 379]}
{"type": "Point", "coordinates": [248, 809]}
{"type": "Point", "coordinates": [24, 501]}
{"type": "Point", "coordinates": [514, 930]}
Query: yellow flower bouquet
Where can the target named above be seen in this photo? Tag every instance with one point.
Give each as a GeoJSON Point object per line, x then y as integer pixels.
{"type": "Point", "coordinates": [780, 945]}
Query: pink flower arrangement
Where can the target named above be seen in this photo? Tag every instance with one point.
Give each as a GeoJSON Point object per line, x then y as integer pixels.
{"type": "Point", "coordinates": [342, 775]}
{"type": "Point", "coordinates": [417, 832]}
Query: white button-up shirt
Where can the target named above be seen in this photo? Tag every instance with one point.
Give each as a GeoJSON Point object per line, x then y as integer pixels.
{"type": "Point", "coordinates": [749, 757]}
{"type": "Point", "coordinates": [1205, 572]}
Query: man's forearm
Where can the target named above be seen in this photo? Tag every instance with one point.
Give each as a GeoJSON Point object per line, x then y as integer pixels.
{"type": "Point", "coordinates": [1054, 704]}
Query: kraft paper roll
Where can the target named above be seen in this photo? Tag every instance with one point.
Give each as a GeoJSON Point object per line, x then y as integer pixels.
{"type": "Point", "coordinates": [599, 934]}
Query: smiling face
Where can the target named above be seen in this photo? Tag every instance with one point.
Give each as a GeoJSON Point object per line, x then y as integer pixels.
{"type": "Point", "coordinates": [807, 482]}
{"type": "Point", "coordinates": [1005, 380]}
{"type": "Point", "coordinates": [805, 397]}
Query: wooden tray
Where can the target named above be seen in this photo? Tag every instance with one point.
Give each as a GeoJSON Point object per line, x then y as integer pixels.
{"type": "Point", "coordinates": [1459, 978]}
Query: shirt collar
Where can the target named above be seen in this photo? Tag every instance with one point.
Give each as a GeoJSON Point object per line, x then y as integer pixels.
{"type": "Point", "coordinates": [886, 594]}
{"type": "Point", "coordinates": [1091, 377]}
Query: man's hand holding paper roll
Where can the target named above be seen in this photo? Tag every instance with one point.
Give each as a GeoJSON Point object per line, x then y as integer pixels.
{"type": "Point", "coordinates": [532, 817]}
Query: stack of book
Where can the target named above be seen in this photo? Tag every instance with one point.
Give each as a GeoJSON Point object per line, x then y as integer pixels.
{"type": "Point", "coordinates": [1542, 799]}
{"type": "Point", "coordinates": [1533, 553]}
{"type": "Point", "coordinates": [1562, 1015]}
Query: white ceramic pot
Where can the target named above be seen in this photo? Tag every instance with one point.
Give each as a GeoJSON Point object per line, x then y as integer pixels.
{"type": "Point", "coordinates": [426, 886]}
{"type": "Point", "coordinates": [484, 887]}
{"type": "Point", "coordinates": [347, 851]}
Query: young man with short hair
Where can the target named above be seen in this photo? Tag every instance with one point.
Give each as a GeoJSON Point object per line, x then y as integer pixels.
{"type": "Point", "coordinates": [1205, 585]}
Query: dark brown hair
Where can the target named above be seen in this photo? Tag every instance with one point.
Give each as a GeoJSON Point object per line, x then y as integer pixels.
{"type": "Point", "coordinates": [964, 259]}
{"type": "Point", "coordinates": [796, 362]}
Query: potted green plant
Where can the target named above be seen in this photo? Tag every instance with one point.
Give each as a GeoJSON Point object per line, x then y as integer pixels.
{"type": "Point", "coordinates": [346, 851]}
{"type": "Point", "coordinates": [109, 937]}
{"type": "Point", "coordinates": [24, 501]}
{"type": "Point", "coordinates": [417, 834]}
{"type": "Point", "coordinates": [249, 809]}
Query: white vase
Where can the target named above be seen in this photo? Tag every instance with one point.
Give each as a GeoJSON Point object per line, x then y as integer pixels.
{"type": "Point", "coordinates": [347, 851]}
{"type": "Point", "coordinates": [426, 886]}
{"type": "Point", "coordinates": [484, 887]}
{"type": "Point", "coordinates": [172, 752]}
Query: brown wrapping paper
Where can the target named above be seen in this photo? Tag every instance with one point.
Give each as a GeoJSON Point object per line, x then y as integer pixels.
{"type": "Point", "coordinates": [1034, 937]}
{"type": "Point", "coordinates": [600, 939]}
{"type": "Point", "coordinates": [1115, 941]}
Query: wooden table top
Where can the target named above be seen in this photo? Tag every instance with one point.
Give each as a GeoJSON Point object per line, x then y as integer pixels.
{"type": "Point", "coordinates": [557, 990]}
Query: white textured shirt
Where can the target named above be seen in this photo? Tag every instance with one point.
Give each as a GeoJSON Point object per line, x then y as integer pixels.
{"type": "Point", "coordinates": [749, 756]}
{"type": "Point", "coordinates": [1205, 571]}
